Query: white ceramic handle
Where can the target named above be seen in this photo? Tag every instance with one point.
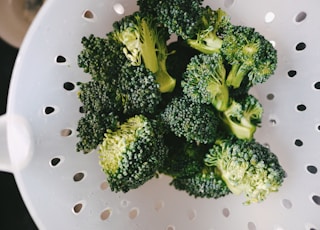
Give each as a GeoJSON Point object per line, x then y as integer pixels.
{"type": "Point", "coordinates": [5, 163]}
{"type": "Point", "coordinates": [15, 143]}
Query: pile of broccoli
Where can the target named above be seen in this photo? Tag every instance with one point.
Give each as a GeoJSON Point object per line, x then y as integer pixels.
{"type": "Point", "coordinates": [181, 107]}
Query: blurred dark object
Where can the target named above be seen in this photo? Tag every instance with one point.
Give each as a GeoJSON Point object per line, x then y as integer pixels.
{"type": "Point", "coordinates": [13, 212]}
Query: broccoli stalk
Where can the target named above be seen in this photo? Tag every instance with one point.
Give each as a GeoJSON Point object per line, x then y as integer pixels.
{"type": "Point", "coordinates": [145, 42]}
{"type": "Point", "coordinates": [208, 40]}
{"type": "Point", "coordinates": [243, 117]}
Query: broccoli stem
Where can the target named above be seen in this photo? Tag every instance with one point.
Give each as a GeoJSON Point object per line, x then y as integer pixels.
{"type": "Point", "coordinates": [236, 75]}
{"type": "Point", "coordinates": [166, 82]}
{"type": "Point", "coordinates": [221, 99]}
{"type": "Point", "coordinates": [149, 54]}
{"type": "Point", "coordinates": [211, 44]}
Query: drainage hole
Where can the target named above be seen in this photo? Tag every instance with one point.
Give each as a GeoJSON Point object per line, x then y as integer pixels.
{"type": "Point", "coordinates": [301, 46]}
{"type": "Point", "coordinates": [105, 214]}
{"type": "Point", "coordinates": [316, 199]}
{"type": "Point", "coordinates": [312, 169]}
{"type": "Point", "coordinates": [88, 14]}
{"type": "Point", "coordinates": [54, 162]}
{"type": "Point", "coordinates": [78, 176]}
{"type": "Point", "coordinates": [301, 107]}
{"type": "Point", "coordinates": [60, 59]}
{"type": "Point", "coordinates": [118, 8]}
{"type": "Point", "coordinates": [301, 17]}
{"type": "Point", "coordinates": [68, 86]}
{"type": "Point", "coordinates": [292, 73]}
{"type": "Point", "coordinates": [298, 142]}
{"type": "Point", "coordinates": [77, 208]}
{"type": "Point", "coordinates": [65, 132]}
{"type": "Point", "coordinates": [134, 213]}
{"type": "Point", "coordinates": [48, 110]}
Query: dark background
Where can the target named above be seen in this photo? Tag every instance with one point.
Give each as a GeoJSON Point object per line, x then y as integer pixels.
{"type": "Point", "coordinates": [13, 213]}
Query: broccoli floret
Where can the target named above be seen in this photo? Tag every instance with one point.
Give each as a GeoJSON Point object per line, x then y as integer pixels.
{"type": "Point", "coordinates": [145, 42]}
{"type": "Point", "coordinates": [185, 164]}
{"type": "Point", "coordinates": [100, 56]}
{"type": "Point", "coordinates": [247, 167]}
{"type": "Point", "coordinates": [202, 27]}
{"type": "Point", "coordinates": [132, 154]}
{"type": "Point", "coordinates": [99, 97]}
{"type": "Point", "coordinates": [92, 127]}
{"type": "Point", "coordinates": [139, 90]}
{"type": "Point", "coordinates": [243, 117]}
{"type": "Point", "coordinates": [204, 81]}
{"type": "Point", "coordinates": [196, 122]}
{"type": "Point", "coordinates": [249, 54]}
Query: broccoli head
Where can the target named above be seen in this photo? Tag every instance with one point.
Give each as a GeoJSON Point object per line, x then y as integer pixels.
{"type": "Point", "coordinates": [243, 116]}
{"type": "Point", "coordinates": [145, 42]}
{"type": "Point", "coordinates": [202, 27]}
{"type": "Point", "coordinates": [250, 56]}
{"type": "Point", "coordinates": [132, 154]}
{"type": "Point", "coordinates": [204, 81]}
{"type": "Point", "coordinates": [138, 90]}
{"type": "Point", "coordinates": [185, 164]}
{"type": "Point", "coordinates": [92, 127]}
{"type": "Point", "coordinates": [246, 167]}
{"type": "Point", "coordinates": [100, 56]}
{"type": "Point", "coordinates": [196, 122]}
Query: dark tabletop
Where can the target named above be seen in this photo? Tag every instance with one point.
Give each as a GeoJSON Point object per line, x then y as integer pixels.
{"type": "Point", "coordinates": [13, 213]}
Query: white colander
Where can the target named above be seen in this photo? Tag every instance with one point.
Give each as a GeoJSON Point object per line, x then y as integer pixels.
{"type": "Point", "coordinates": [64, 189]}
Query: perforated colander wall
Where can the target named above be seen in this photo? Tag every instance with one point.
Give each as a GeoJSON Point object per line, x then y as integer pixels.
{"type": "Point", "coordinates": [64, 189]}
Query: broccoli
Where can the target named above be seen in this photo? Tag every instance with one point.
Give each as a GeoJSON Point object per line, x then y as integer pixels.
{"type": "Point", "coordinates": [92, 127]}
{"type": "Point", "coordinates": [204, 81]}
{"type": "Point", "coordinates": [246, 167]}
{"type": "Point", "coordinates": [100, 113]}
{"type": "Point", "coordinates": [185, 164]}
{"type": "Point", "coordinates": [243, 117]}
{"type": "Point", "coordinates": [132, 154]}
{"type": "Point", "coordinates": [249, 54]}
{"type": "Point", "coordinates": [202, 27]}
{"type": "Point", "coordinates": [100, 56]}
{"type": "Point", "coordinates": [196, 122]}
{"type": "Point", "coordinates": [145, 42]}
{"type": "Point", "coordinates": [138, 90]}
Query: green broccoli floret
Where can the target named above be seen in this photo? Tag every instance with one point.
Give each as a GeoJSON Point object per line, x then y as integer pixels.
{"type": "Point", "coordinates": [196, 122]}
{"type": "Point", "coordinates": [132, 154]}
{"type": "Point", "coordinates": [145, 42]}
{"type": "Point", "coordinates": [100, 113]}
{"type": "Point", "coordinates": [243, 116]}
{"type": "Point", "coordinates": [185, 164]}
{"type": "Point", "coordinates": [92, 127]}
{"type": "Point", "coordinates": [138, 90]}
{"type": "Point", "coordinates": [202, 27]}
{"type": "Point", "coordinates": [246, 167]}
{"type": "Point", "coordinates": [249, 54]}
{"type": "Point", "coordinates": [99, 97]}
{"type": "Point", "coordinates": [100, 56]}
{"type": "Point", "coordinates": [204, 81]}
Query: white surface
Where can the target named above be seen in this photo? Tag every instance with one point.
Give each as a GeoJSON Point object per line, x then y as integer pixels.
{"type": "Point", "coordinates": [50, 192]}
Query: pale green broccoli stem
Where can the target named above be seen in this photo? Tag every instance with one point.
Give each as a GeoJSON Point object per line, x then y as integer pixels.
{"type": "Point", "coordinates": [236, 75]}
{"type": "Point", "coordinates": [148, 50]}
{"type": "Point", "coordinates": [166, 82]}
{"type": "Point", "coordinates": [207, 41]}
